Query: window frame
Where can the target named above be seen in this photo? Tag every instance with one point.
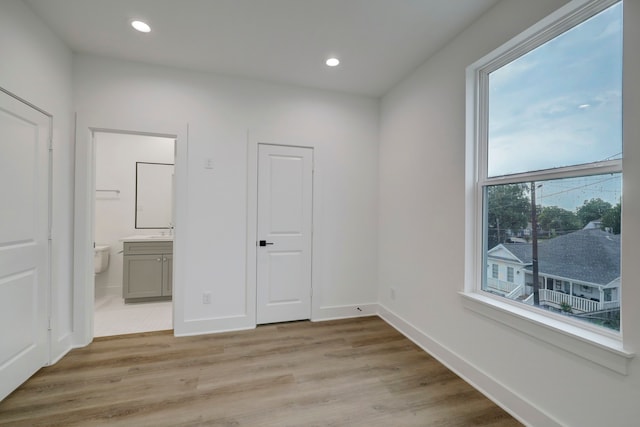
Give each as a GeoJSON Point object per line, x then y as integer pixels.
{"type": "Point", "coordinates": [602, 346]}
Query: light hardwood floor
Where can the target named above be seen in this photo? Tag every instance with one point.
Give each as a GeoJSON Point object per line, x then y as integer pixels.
{"type": "Point", "coordinates": [354, 372]}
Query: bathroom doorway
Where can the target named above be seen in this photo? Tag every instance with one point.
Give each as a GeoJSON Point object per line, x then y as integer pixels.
{"type": "Point", "coordinates": [133, 232]}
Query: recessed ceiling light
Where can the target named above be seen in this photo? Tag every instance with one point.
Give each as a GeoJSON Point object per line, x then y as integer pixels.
{"type": "Point", "coordinates": [332, 62]}
{"type": "Point", "coordinates": [143, 27]}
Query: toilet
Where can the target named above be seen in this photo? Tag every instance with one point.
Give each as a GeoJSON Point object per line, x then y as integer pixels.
{"type": "Point", "coordinates": [100, 258]}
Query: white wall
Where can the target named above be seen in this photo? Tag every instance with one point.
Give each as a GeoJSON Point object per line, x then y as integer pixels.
{"type": "Point", "coordinates": [219, 112]}
{"type": "Point", "coordinates": [421, 198]}
{"type": "Point", "coordinates": [36, 66]}
{"type": "Point", "coordinates": [421, 246]}
{"type": "Point", "coordinates": [116, 157]}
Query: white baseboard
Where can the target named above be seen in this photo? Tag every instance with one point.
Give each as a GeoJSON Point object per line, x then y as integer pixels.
{"type": "Point", "coordinates": [58, 357]}
{"type": "Point", "coordinates": [344, 312]}
{"type": "Point", "coordinates": [213, 326]}
{"type": "Point", "coordinates": [239, 323]}
{"type": "Point", "coordinates": [517, 406]}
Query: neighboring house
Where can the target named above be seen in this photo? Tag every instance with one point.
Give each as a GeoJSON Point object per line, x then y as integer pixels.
{"type": "Point", "coordinates": [578, 271]}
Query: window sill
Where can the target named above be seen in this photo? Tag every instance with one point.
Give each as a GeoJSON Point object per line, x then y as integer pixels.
{"type": "Point", "coordinates": [599, 349]}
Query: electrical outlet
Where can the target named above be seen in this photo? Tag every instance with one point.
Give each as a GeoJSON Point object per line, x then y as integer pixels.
{"type": "Point", "coordinates": [392, 293]}
{"type": "Point", "coordinates": [206, 298]}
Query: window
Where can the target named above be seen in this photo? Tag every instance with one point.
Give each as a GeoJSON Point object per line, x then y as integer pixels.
{"type": "Point", "coordinates": [547, 151]}
{"type": "Point", "coordinates": [494, 271]}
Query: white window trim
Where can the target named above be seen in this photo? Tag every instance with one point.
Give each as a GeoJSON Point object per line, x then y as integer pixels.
{"type": "Point", "coordinates": [599, 346]}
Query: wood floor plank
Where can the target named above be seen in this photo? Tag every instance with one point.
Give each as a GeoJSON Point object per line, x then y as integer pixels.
{"type": "Point", "coordinates": [353, 372]}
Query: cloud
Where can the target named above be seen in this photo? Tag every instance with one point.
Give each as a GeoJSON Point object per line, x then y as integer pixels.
{"type": "Point", "coordinates": [614, 28]}
{"type": "Point", "coordinates": [554, 133]}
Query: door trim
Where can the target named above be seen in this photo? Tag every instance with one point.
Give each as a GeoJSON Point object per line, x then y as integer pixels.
{"type": "Point", "coordinates": [254, 139]}
{"type": "Point", "coordinates": [84, 218]}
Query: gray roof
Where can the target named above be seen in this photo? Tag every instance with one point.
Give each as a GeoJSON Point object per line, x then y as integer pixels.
{"type": "Point", "coordinates": [522, 251]}
{"type": "Point", "coordinates": [590, 255]}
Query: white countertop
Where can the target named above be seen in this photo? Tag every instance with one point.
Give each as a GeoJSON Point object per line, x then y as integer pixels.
{"type": "Point", "coordinates": [147, 238]}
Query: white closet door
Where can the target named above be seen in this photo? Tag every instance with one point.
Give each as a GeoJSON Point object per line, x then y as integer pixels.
{"type": "Point", "coordinates": [24, 245]}
{"type": "Point", "coordinates": [285, 185]}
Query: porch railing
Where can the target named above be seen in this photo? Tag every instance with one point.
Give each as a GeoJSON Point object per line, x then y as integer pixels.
{"type": "Point", "coordinates": [579, 304]}
{"type": "Point", "coordinates": [501, 285]}
{"type": "Point", "coordinates": [517, 292]}
{"type": "Point", "coordinates": [610, 304]}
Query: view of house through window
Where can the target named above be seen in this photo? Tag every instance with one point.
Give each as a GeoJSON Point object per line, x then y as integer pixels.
{"type": "Point", "coordinates": [573, 248]}
{"type": "Point", "coordinates": [552, 185]}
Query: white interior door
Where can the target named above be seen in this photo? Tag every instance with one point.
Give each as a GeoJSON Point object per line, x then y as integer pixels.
{"type": "Point", "coordinates": [24, 244]}
{"type": "Point", "coordinates": [285, 185]}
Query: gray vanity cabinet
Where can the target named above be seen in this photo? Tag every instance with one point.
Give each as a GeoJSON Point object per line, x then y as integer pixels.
{"type": "Point", "coordinates": [147, 270]}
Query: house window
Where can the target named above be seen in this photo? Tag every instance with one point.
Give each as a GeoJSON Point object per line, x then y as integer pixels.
{"type": "Point", "coordinates": [494, 271]}
{"type": "Point", "coordinates": [607, 295]}
{"type": "Point", "coordinates": [547, 150]}
{"type": "Point", "coordinates": [510, 274]}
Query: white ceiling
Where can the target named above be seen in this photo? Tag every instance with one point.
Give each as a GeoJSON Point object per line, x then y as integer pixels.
{"type": "Point", "coordinates": [378, 41]}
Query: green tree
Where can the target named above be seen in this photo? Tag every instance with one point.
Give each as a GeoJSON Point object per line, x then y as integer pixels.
{"type": "Point", "coordinates": [592, 209]}
{"type": "Point", "coordinates": [509, 208]}
{"type": "Point", "coordinates": [555, 220]}
{"type": "Point", "coordinates": [611, 219]}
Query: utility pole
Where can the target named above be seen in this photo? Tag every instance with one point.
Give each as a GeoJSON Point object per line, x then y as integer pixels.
{"type": "Point", "coordinates": [534, 245]}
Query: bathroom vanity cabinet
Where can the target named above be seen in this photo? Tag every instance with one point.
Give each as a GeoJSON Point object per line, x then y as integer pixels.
{"type": "Point", "coordinates": [147, 270]}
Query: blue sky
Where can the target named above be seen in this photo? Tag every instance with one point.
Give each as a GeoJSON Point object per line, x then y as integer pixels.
{"type": "Point", "coordinates": [561, 105]}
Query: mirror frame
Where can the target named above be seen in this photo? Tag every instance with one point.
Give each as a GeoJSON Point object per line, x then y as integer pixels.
{"type": "Point", "coordinates": [136, 220]}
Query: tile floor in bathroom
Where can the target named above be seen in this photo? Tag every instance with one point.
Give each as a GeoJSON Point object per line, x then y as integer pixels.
{"type": "Point", "coordinates": [113, 317]}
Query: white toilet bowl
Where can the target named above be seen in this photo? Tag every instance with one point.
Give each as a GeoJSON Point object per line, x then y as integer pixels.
{"type": "Point", "coordinates": [101, 258]}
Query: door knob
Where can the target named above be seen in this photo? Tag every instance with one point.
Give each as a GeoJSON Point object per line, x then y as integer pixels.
{"type": "Point", "coordinates": [265, 243]}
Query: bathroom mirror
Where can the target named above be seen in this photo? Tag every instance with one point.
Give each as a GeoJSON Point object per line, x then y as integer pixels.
{"type": "Point", "coordinates": [154, 195]}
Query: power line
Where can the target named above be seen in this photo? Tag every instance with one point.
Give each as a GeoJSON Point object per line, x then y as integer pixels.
{"type": "Point", "coordinates": [613, 156]}
{"type": "Point", "coordinates": [579, 187]}
{"type": "Point", "coordinates": [570, 189]}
